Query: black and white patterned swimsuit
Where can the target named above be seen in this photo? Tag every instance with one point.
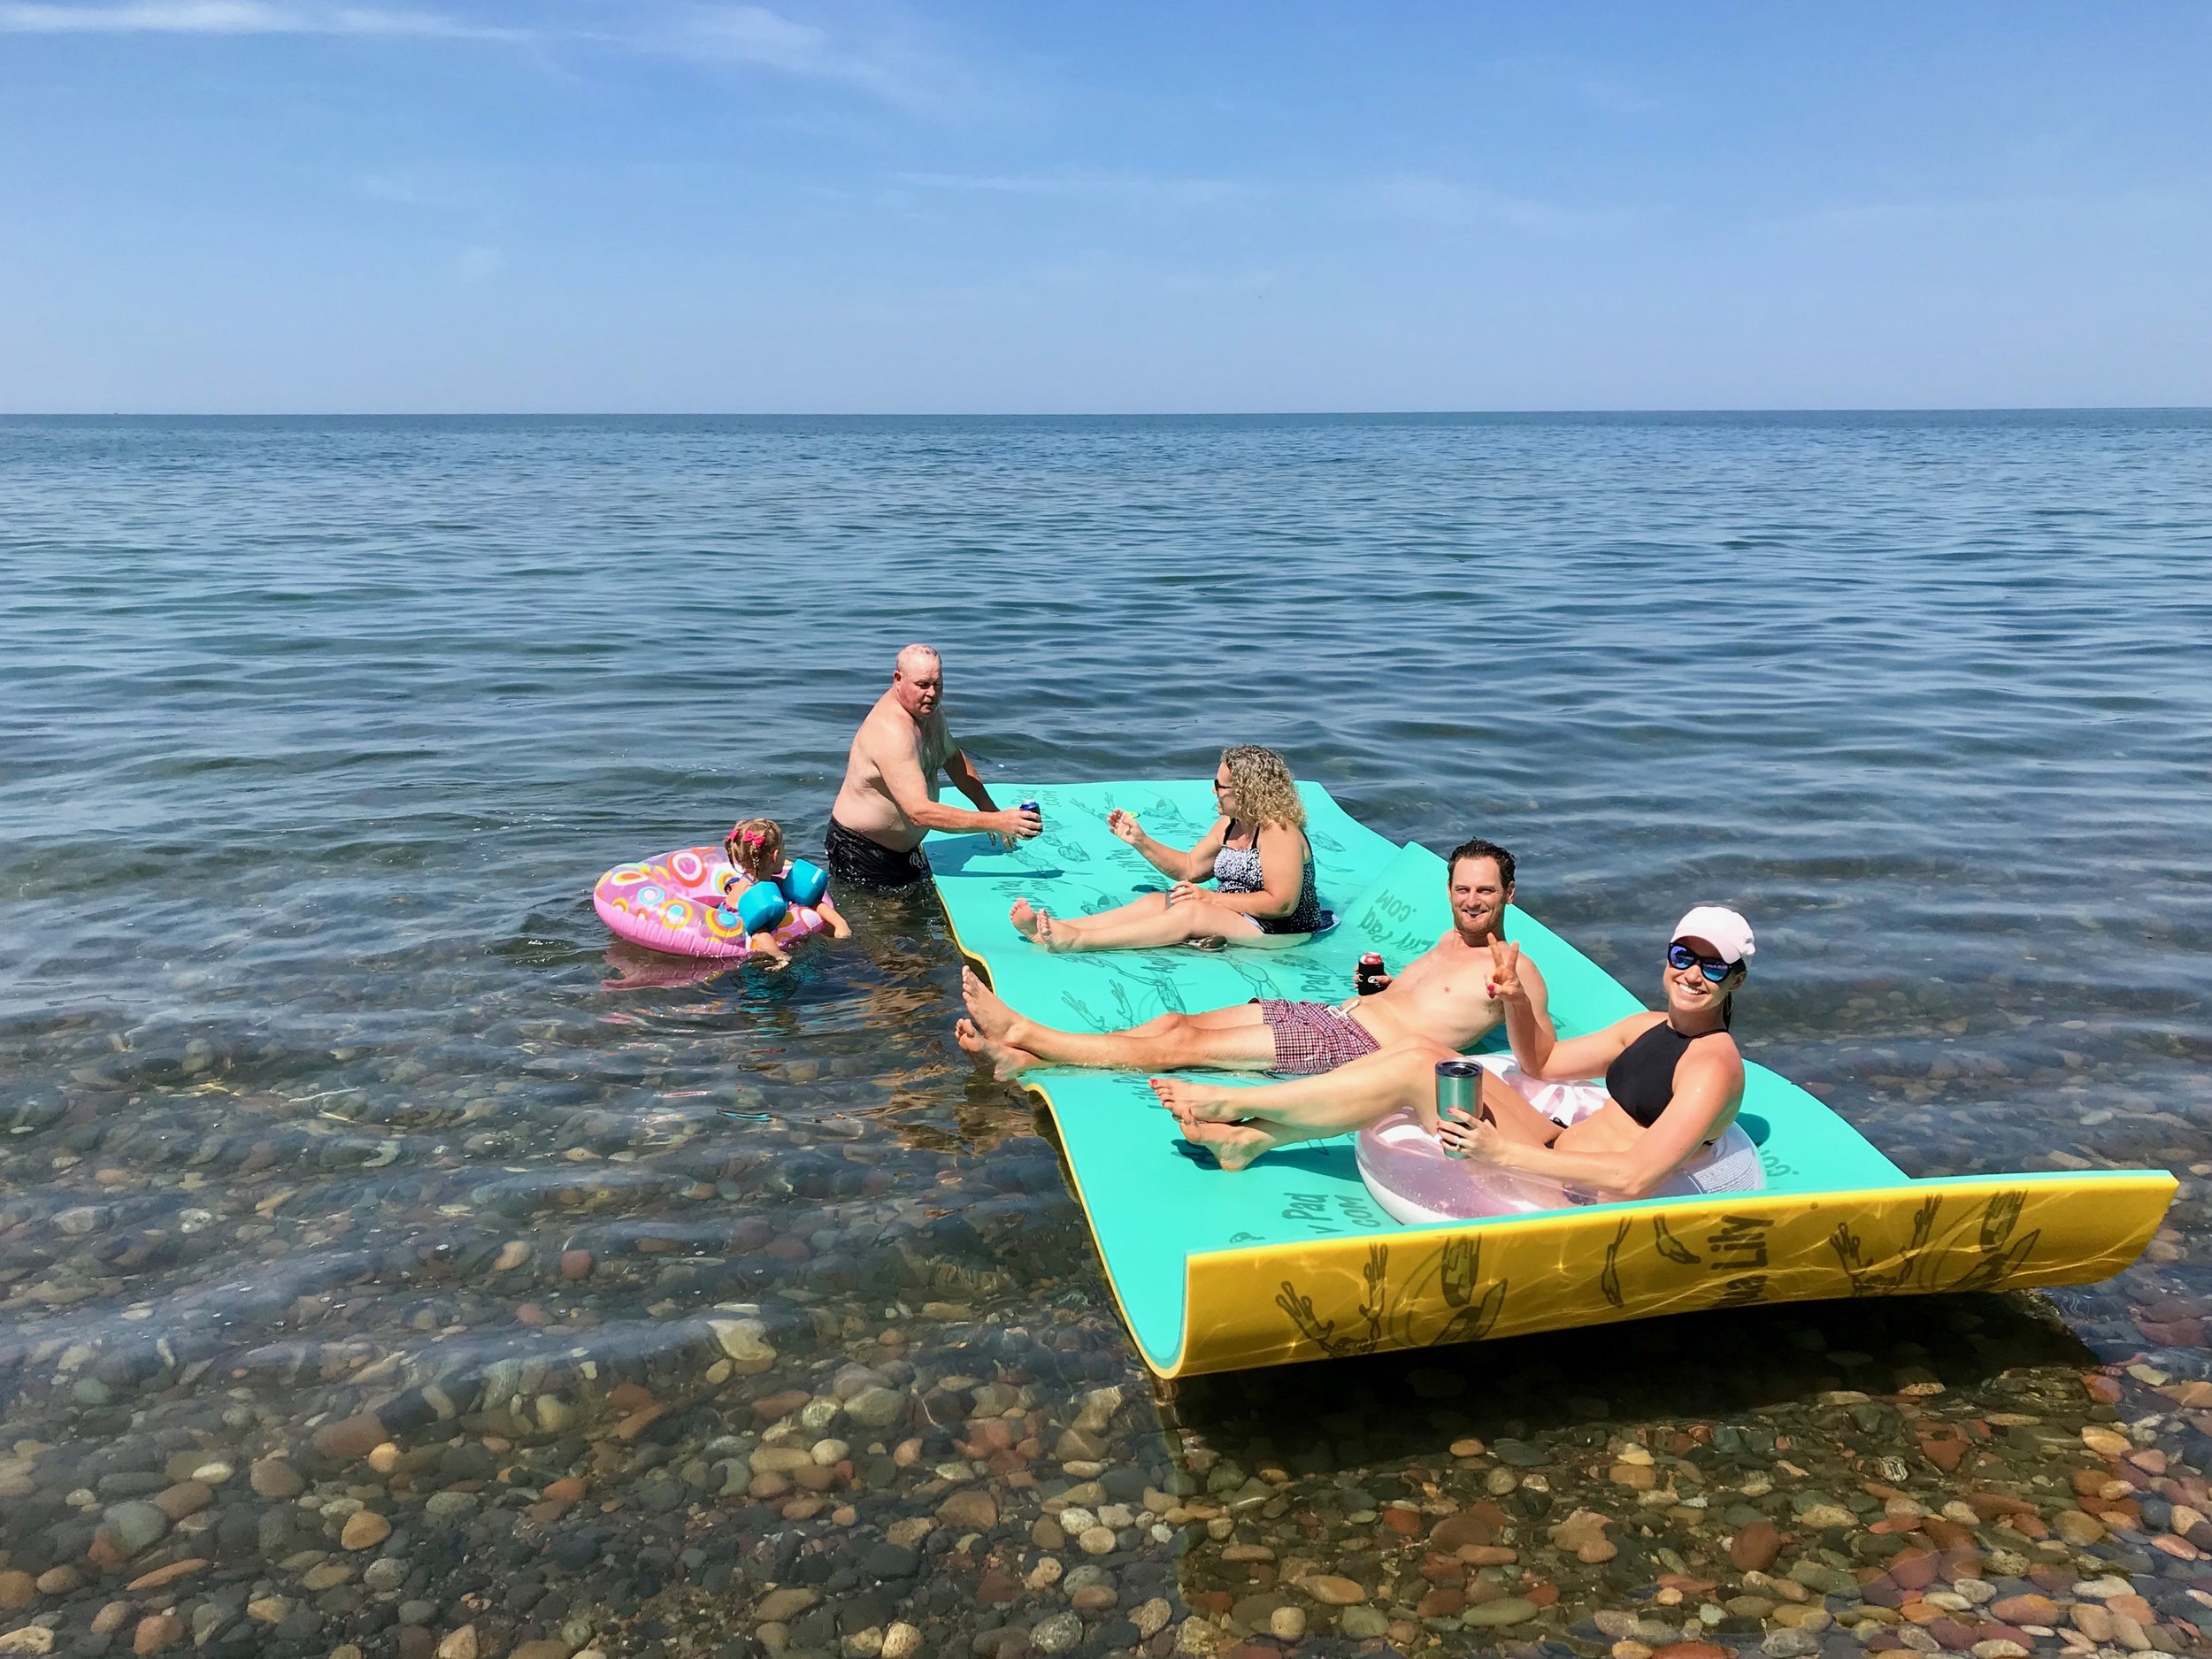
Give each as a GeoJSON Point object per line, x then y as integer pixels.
{"type": "Point", "coordinates": [1237, 870]}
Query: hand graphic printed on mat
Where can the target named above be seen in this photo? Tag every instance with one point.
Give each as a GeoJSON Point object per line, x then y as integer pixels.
{"type": "Point", "coordinates": [1321, 1332]}
{"type": "Point", "coordinates": [2001, 1254]}
{"type": "Point", "coordinates": [1461, 1271]}
{"type": "Point", "coordinates": [1865, 1279]}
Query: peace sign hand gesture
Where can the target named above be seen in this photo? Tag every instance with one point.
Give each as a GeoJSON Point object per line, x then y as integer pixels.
{"type": "Point", "coordinates": [1505, 972]}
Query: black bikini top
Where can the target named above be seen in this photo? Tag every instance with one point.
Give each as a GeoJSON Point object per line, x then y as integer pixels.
{"type": "Point", "coordinates": [1641, 1077]}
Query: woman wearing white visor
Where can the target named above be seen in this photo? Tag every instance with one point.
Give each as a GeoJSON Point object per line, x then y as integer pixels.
{"type": "Point", "coordinates": [1673, 1080]}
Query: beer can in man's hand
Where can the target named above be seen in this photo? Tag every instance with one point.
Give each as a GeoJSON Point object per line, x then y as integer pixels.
{"type": "Point", "coordinates": [1031, 806]}
{"type": "Point", "coordinates": [1368, 978]}
{"type": "Point", "coordinates": [1458, 1092]}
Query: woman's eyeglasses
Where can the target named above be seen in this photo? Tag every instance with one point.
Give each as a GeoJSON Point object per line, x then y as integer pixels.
{"type": "Point", "coordinates": [1681, 956]}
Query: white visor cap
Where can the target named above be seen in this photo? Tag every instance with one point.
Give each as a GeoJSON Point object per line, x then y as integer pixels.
{"type": "Point", "coordinates": [1719, 928]}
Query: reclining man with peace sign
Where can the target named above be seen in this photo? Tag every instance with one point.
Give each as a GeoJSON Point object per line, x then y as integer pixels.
{"type": "Point", "coordinates": [1442, 997]}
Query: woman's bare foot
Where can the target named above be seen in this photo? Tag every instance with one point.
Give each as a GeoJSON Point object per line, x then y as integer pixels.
{"type": "Point", "coordinates": [992, 1016]}
{"type": "Point", "coordinates": [1056, 935]}
{"type": "Point", "coordinates": [1007, 1062]}
{"type": "Point", "coordinates": [1200, 1102]}
{"type": "Point", "coordinates": [1232, 1145]}
{"type": "Point", "coordinates": [1024, 916]}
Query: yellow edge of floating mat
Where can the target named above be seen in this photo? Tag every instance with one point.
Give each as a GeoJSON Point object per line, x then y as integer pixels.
{"type": "Point", "coordinates": [1291, 1259]}
{"type": "Point", "coordinates": [1276, 1304]}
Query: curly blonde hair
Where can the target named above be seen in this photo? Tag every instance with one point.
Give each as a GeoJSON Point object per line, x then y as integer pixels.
{"type": "Point", "coordinates": [1260, 782]}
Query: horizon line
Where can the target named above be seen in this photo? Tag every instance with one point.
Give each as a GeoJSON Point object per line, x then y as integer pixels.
{"type": "Point", "coordinates": [1102, 414]}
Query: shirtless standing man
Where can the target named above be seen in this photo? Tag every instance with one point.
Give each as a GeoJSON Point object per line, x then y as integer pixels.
{"type": "Point", "coordinates": [888, 800]}
{"type": "Point", "coordinates": [1441, 998]}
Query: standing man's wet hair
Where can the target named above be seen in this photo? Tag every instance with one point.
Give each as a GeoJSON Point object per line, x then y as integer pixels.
{"type": "Point", "coordinates": [1481, 849]}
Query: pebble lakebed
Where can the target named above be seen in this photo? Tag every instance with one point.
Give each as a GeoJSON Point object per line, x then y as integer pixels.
{"type": "Point", "coordinates": [686, 1438]}
{"type": "Point", "coordinates": [387, 1266]}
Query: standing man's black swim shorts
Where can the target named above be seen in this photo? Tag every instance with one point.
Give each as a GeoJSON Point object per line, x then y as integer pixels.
{"type": "Point", "coordinates": [855, 859]}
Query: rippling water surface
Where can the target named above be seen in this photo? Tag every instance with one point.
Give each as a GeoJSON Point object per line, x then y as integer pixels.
{"type": "Point", "coordinates": [331, 1117]}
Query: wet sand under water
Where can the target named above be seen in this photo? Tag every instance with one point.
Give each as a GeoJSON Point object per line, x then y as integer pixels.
{"type": "Point", "coordinates": [387, 1264]}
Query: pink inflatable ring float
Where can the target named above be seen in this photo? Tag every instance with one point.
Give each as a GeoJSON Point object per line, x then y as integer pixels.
{"type": "Point", "coordinates": [1412, 1177]}
{"type": "Point", "coordinates": [675, 902]}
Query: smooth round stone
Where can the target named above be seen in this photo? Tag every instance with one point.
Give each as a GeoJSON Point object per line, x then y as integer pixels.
{"type": "Point", "coordinates": [1057, 1633]}
{"type": "Point", "coordinates": [1360, 1623]}
{"type": "Point", "coordinates": [891, 1560]}
{"type": "Point", "coordinates": [134, 1526]}
{"type": "Point", "coordinates": [1096, 1540]}
{"type": "Point", "coordinates": [365, 1530]}
{"type": "Point", "coordinates": [1333, 1590]}
{"type": "Point", "coordinates": [876, 1407]}
{"type": "Point", "coordinates": [384, 1574]}
{"type": "Point", "coordinates": [1506, 1609]}
{"type": "Point", "coordinates": [1287, 1623]}
{"type": "Point", "coordinates": [274, 1478]}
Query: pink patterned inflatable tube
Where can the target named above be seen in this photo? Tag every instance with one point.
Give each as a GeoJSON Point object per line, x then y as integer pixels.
{"type": "Point", "coordinates": [674, 903]}
{"type": "Point", "coordinates": [1412, 1177]}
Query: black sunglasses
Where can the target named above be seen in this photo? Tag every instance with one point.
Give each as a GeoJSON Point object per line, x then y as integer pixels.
{"type": "Point", "coordinates": [1681, 956]}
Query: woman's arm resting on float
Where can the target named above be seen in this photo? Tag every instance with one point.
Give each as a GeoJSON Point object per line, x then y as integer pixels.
{"type": "Point", "coordinates": [1702, 1098]}
{"type": "Point", "coordinates": [1282, 871]}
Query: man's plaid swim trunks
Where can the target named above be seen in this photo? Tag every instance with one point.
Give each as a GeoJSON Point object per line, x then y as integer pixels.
{"type": "Point", "coordinates": [1312, 1037]}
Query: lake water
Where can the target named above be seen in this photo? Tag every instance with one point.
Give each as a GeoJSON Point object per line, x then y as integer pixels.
{"type": "Point", "coordinates": [324, 1097]}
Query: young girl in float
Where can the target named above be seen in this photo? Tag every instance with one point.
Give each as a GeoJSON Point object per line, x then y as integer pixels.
{"type": "Point", "coordinates": [763, 888]}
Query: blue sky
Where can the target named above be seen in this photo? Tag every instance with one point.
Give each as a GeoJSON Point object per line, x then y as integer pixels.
{"type": "Point", "coordinates": [220, 205]}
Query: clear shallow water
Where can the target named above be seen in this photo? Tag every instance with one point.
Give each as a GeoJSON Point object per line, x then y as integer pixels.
{"type": "Point", "coordinates": [317, 733]}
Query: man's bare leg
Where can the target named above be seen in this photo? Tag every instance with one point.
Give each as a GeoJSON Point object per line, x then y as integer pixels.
{"type": "Point", "coordinates": [1233, 1039]}
{"type": "Point", "coordinates": [1006, 1061]}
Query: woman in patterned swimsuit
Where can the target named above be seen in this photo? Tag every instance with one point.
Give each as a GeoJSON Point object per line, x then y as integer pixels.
{"type": "Point", "coordinates": [1256, 853]}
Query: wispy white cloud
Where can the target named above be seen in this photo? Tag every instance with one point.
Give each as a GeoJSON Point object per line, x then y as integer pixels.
{"type": "Point", "coordinates": [162, 16]}
{"type": "Point", "coordinates": [237, 17]}
{"type": "Point", "coordinates": [886, 66]}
